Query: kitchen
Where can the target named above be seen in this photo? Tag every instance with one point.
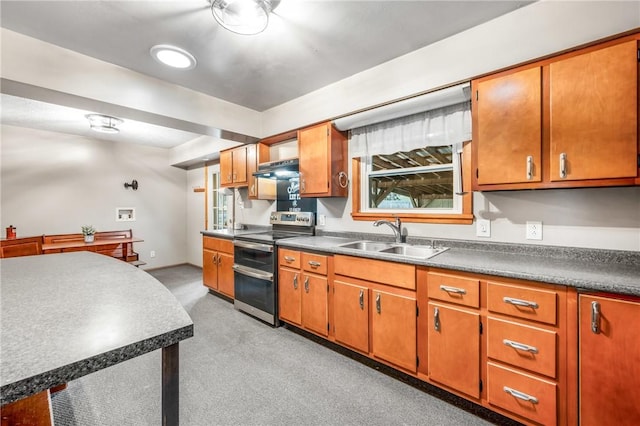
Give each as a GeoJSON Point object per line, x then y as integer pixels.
{"type": "Point", "coordinates": [576, 218]}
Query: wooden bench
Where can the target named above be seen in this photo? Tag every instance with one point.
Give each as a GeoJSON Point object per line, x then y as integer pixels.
{"type": "Point", "coordinates": [105, 242]}
{"type": "Point", "coordinates": [25, 246]}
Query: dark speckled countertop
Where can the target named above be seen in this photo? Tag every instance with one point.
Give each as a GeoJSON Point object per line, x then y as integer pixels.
{"type": "Point", "coordinates": [229, 234]}
{"type": "Point", "coordinates": [587, 269]}
{"type": "Point", "coordinates": [70, 314]}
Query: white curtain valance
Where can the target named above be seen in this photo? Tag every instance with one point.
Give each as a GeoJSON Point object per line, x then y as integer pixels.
{"type": "Point", "coordinates": [450, 125]}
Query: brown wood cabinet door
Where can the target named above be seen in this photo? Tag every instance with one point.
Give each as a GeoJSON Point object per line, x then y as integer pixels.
{"type": "Point", "coordinates": [351, 315]}
{"type": "Point", "coordinates": [313, 152]}
{"type": "Point", "coordinates": [609, 362]}
{"type": "Point", "coordinates": [314, 304]}
{"type": "Point", "coordinates": [594, 114]}
{"type": "Point", "coordinates": [210, 269]}
{"type": "Point", "coordinates": [289, 295]}
{"type": "Point", "coordinates": [454, 348]}
{"type": "Point", "coordinates": [509, 128]}
{"type": "Point", "coordinates": [240, 165]}
{"type": "Point", "coordinates": [226, 168]}
{"type": "Point", "coordinates": [393, 332]}
{"type": "Point", "coordinates": [252, 166]}
{"type": "Point", "coordinates": [225, 274]}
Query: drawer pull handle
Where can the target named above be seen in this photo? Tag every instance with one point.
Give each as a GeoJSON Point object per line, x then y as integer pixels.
{"type": "Point", "coordinates": [295, 282]}
{"type": "Point", "coordinates": [436, 319]}
{"type": "Point", "coordinates": [595, 317]}
{"type": "Point", "coordinates": [289, 259]}
{"type": "Point", "coordinates": [521, 395]}
{"type": "Point", "coordinates": [306, 284]}
{"type": "Point", "coordinates": [314, 264]}
{"type": "Point", "coordinates": [529, 167]}
{"type": "Point", "coordinates": [519, 302]}
{"type": "Point", "coordinates": [520, 346]}
{"type": "Point", "coordinates": [378, 303]}
{"type": "Point", "coordinates": [563, 165]}
{"type": "Point", "coordinates": [361, 299]}
{"type": "Point", "coordinates": [455, 290]}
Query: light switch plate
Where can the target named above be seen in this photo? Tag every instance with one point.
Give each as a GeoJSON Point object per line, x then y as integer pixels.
{"type": "Point", "coordinates": [483, 228]}
{"type": "Point", "coordinates": [534, 230]}
{"type": "Point", "coordinates": [322, 220]}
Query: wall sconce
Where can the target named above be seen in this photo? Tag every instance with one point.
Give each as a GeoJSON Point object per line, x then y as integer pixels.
{"type": "Point", "coordinates": [133, 184]}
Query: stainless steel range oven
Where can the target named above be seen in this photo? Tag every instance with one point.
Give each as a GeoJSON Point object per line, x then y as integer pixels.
{"type": "Point", "coordinates": [256, 264]}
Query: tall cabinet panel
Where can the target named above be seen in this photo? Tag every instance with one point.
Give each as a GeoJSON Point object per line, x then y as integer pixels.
{"type": "Point", "coordinates": [322, 152]}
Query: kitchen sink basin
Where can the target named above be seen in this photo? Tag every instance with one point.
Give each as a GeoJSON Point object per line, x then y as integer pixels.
{"type": "Point", "coordinates": [406, 250]}
{"type": "Point", "coordinates": [422, 252]}
{"type": "Point", "coordinates": [367, 245]}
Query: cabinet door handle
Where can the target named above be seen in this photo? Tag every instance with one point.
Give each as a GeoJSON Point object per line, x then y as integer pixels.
{"type": "Point", "coordinates": [595, 317]}
{"type": "Point", "coordinates": [529, 167]}
{"type": "Point", "coordinates": [378, 303]}
{"type": "Point", "coordinates": [253, 190]}
{"type": "Point", "coordinates": [361, 299]}
{"type": "Point", "coordinates": [214, 258]}
{"type": "Point", "coordinates": [314, 264]}
{"type": "Point", "coordinates": [306, 284]}
{"type": "Point", "coordinates": [303, 186]}
{"type": "Point", "coordinates": [289, 259]}
{"type": "Point", "coordinates": [563, 165]}
{"type": "Point", "coordinates": [455, 290]}
{"type": "Point", "coordinates": [436, 319]}
{"type": "Point", "coordinates": [519, 302]}
{"type": "Point", "coordinates": [520, 395]}
{"type": "Point", "coordinates": [520, 346]}
{"type": "Point", "coordinates": [219, 259]}
{"type": "Point", "coordinates": [295, 282]}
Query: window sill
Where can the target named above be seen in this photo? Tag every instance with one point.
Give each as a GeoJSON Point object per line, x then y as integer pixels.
{"type": "Point", "coordinates": [459, 219]}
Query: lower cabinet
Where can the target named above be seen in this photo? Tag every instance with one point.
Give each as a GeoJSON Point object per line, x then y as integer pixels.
{"type": "Point", "coordinates": [217, 265]}
{"type": "Point", "coordinates": [609, 359]}
{"type": "Point", "coordinates": [303, 290]}
{"type": "Point", "coordinates": [351, 315]}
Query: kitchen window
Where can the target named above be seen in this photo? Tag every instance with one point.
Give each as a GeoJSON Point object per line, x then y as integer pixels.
{"type": "Point", "coordinates": [414, 167]}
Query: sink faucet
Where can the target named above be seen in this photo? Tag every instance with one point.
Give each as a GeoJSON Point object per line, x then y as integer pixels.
{"type": "Point", "coordinates": [397, 228]}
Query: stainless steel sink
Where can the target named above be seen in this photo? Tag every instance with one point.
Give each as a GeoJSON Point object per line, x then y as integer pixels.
{"type": "Point", "coordinates": [422, 252]}
{"type": "Point", "coordinates": [406, 250]}
{"type": "Point", "coordinates": [367, 245]}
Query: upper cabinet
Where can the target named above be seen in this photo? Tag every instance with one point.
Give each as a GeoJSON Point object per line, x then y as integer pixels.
{"type": "Point", "coordinates": [568, 121]}
{"type": "Point", "coordinates": [322, 153]}
{"type": "Point", "coordinates": [259, 188]}
{"type": "Point", "coordinates": [233, 167]}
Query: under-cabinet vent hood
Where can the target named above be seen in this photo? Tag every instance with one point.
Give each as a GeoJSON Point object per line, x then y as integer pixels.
{"type": "Point", "coordinates": [429, 101]}
{"type": "Point", "coordinates": [281, 169]}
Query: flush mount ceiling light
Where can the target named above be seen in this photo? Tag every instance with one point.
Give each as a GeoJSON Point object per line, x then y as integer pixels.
{"type": "Point", "coordinates": [103, 123]}
{"type": "Point", "coordinates": [247, 17]}
{"type": "Point", "coordinates": [173, 56]}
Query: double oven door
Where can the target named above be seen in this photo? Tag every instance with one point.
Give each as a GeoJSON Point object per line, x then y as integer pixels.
{"type": "Point", "coordinates": [255, 280]}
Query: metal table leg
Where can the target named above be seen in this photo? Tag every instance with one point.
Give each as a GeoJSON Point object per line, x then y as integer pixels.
{"type": "Point", "coordinates": [170, 385]}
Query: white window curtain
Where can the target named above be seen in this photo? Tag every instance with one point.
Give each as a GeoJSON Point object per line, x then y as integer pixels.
{"type": "Point", "coordinates": [450, 125]}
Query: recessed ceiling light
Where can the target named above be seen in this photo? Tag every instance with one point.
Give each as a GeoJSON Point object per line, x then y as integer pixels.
{"type": "Point", "coordinates": [173, 56]}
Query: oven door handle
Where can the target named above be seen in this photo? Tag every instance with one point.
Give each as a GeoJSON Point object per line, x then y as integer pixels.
{"type": "Point", "coordinates": [254, 246]}
{"type": "Point", "coordinates": [253, 273]}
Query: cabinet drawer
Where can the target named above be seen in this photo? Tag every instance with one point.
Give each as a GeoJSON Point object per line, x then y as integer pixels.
{"type": "Point", "coordinates": [527, 396]}
{"type": "Point", "coordinates": [454, 289]}
{"type": "Point", "coordinates": [290, 258]}
{"type": "Point", "coordinates": [315, 263]}
{"type": "Point", "coordinates": [378, 271]}
{"type": "Point", "coordinates": [522, 346]}
{"type": "Point", "coordinates": [218, 244]}
{"type": "Point", "coordinates": [534, 304]}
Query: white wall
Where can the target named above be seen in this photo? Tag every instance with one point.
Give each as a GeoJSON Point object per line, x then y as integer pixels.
{"type": "Point", "coordinates": [55, 183]}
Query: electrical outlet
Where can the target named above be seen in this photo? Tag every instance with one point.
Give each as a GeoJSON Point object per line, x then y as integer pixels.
{"type": "Point", "coordinates": [534, 230]}
{"type": "Point", "coordinates": [483, 228]}
{"type": "Point", "coordinates": [322, 220]}
{"type": "Point", "coordinates": [152, 254]}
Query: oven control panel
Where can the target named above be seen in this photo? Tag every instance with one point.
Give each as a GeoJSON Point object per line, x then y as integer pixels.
{"type": "Point", "coordinates": [292, 218]}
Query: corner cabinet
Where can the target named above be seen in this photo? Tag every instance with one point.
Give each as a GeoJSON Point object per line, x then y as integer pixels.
{"type": "Point", "coordinates": [217, 265]}
{"type": "Point", "coordinates": [609, 357]}
{"type": "Point", "coordinates": [233, 167]}
{"type": "Point", "coordinates": [322, 151]}
{"type": "Point", "coordinates": [568, 121]}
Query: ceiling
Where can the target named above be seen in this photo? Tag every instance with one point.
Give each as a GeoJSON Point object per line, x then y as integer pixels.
{"type": "Point", "coordinates": [308, 44]}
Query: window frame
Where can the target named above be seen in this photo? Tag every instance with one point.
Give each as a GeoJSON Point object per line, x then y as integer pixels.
{"type": "Point", "coordinates": [463, 218]}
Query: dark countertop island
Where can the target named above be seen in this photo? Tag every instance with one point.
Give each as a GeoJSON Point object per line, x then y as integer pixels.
{"type": "Point", "coordinates": [67, 315]}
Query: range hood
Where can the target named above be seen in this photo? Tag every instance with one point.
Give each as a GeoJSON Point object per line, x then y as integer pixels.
{"type": "Point", "coordinates": [281, 169]}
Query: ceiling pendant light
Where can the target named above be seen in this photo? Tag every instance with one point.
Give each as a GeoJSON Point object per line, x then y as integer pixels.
{"type": "Point", "coordinates": [247, 17]}
{"type": "Point", "coordinates": [103, 123]}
